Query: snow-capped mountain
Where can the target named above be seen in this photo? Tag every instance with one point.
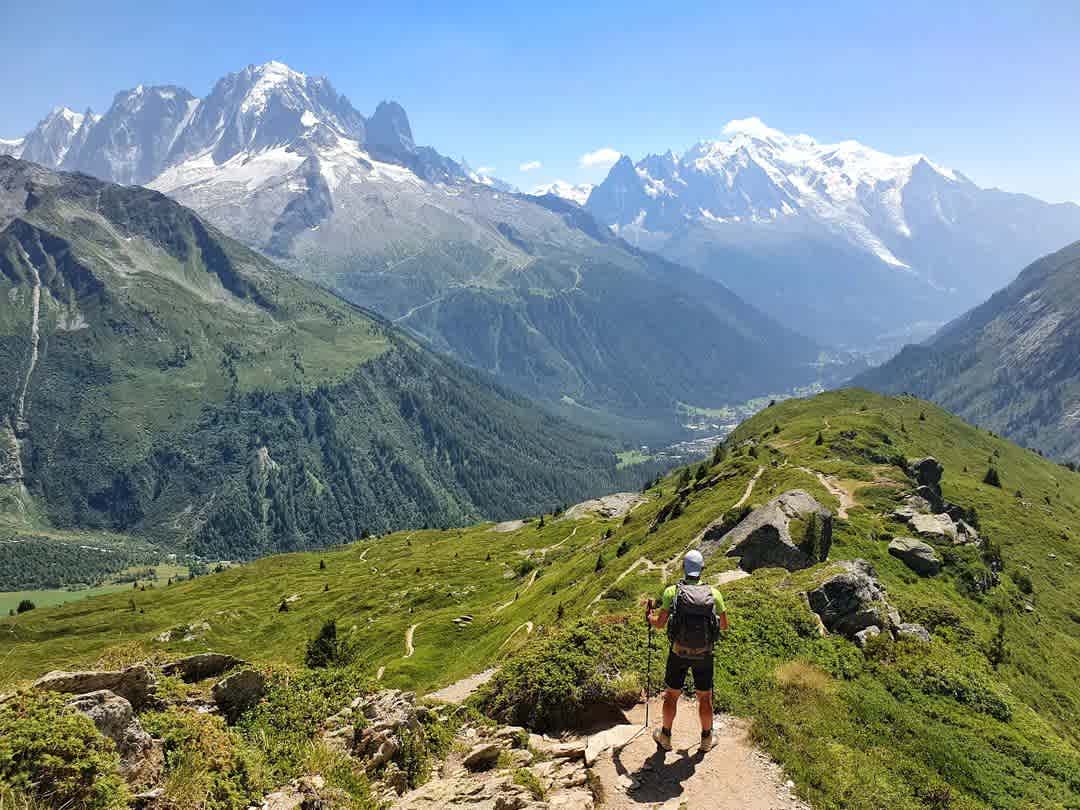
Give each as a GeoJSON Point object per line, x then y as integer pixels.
{"type": "Point", "coordinates": [531, 289]}
{"type": "Point", "coordinates": [53, 138]}
{"type": "Point", "coordinates": [568, 191]}
{"type": "Point", "coordinates": [858, 241]}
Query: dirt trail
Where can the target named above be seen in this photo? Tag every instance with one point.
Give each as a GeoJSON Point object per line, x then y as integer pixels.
{"type": "Point", "coordinates": [409, 649]}
{"type": "Point", "coordinates": [379, 674]}
{"type": "Point", "coordinates": [528, 626]}
{"type": "Point", "coordinates": [460, 691]}
{"type": "Point", "coordinates": [837, 490]}
{"type": "Point", "coordinates": [525, 587]}
{"type": "Point", "coordinates": [735, 775]}
{"type": "Point", "coordinates": [749, 488]}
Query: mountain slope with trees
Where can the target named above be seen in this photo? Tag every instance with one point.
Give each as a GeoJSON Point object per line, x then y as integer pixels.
{"type": "Point", "coordinates": [1012, 364]}
{"type": "Point", "coordinates": [171, 383]}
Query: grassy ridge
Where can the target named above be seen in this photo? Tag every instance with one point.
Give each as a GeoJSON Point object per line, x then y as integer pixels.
{"type": "Point", "coordinates": [905, 725]}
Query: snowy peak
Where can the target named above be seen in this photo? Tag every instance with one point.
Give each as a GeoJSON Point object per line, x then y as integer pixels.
{"type": "Point", "coordinates": [567, 191]}
{"type": "Point", "coordinates": [50, 141]}
{"type": "Point", "coordinates": [265, 106]}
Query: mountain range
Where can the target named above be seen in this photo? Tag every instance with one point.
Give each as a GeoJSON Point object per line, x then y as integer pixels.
{"type": "Point", "coordinates": [528, 288]}
{"type": "Point", "coordinates": [840, 241]}
{"type": "Point", "coordinates": [1010, 365]}
{"type": "Point", "coordinates": [169, 383]}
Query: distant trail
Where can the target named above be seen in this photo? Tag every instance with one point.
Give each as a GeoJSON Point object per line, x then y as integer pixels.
{"type": "Point", "coordinates": [525, 587]}
{"type": "Point", "coordinates": [459, 691]}
{"type": "Point", "coordinates": [409, 649]}
{"type": "Point", "coordinates": [379, 674]}
{"type": "Point", "coordinates": [544, 551]}
{"type": "Point", "coordinates": [847, 500]}
{"type": "Point", "coordinates": [363, 554]}
{"type": "Point", "coordinates": [749, 488]}
{"type": "Point", "coordinates": [528, 631]}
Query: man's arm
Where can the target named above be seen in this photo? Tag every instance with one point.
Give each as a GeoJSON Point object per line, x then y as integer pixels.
{"type": "Point", "coordinates": [657, 618]}
{"type": "Point", "coordinates": [723, 621]}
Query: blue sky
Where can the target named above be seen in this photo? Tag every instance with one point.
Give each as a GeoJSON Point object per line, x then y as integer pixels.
{"type": "Point", "coordinates": [989, 91]}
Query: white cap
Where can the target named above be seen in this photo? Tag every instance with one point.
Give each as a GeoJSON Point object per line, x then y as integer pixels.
{"type": "Point", "coordinates": [693, 563]}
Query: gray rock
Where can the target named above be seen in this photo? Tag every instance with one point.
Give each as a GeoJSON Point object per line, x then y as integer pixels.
{"type": "Point", "coordinates": [201, 666]}
{"type": "Point", "coordinates": [136, 684]}
{"type": "Point", "coordinates": [864, 635]}
{"type": "Point", "coordinates": [763, 539]}
{"type": "Point", "coordinates": [482, 756]}
{"type": "Point", "coordinates": [915, 632]}
{"type": "Point", "coordinates": [935, 527]}
{"type": "Point", "coordinates": [239, 692]}
{"type": "Point", "coordinates": [912, 505]}
{"type": "Point", "coordinates": [916, 555]}
{"type": "Point", "coordinates": [141, 757]}
{"type": "Point", "coordinates": [851, 600]}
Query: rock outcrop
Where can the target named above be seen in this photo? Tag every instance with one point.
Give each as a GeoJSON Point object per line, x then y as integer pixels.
{"type": "Point", "coordinates": [141, 757]}
{"type": "Point", "coordinates": [764, 538]}
{"type": "Point", "coordinates": [916, 555]}
{"type": "Point", "coordinates": [238, 692]}
{"type": "Point", "coordinates": [136, 684]}
{"type": "Point", "coordinates": [201, 666]}
{"type": "Point", "coordinates": [852, 600]}
{"type": "Point", "coordinates": [306, 793]}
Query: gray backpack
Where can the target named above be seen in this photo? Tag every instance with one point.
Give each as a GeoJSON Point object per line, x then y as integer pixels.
{"type": "Point", "coordinates": [693, 627]}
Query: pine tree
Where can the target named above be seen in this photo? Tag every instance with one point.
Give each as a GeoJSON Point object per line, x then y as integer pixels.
{"type": "Point", "coordinates": [992, 478]}
{"type": "Point", "coordinates": [322, 565]}
{"type": "Point", "coordinates": [599, 563]}
{"type": "Point", "coordinates": [820, 440]}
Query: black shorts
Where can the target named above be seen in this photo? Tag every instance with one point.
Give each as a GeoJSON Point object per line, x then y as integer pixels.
{"type": "Point", "coordinates": [677, 667]}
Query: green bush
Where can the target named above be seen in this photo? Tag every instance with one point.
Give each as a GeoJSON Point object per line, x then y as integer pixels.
{"type": "Point", "coordinates": [549, 684]}
{"type": "Point", "coordinates": [328, 649]}
{"type": "Point", "coordinates": [207, 764]}
{"type": "Point", "coordinates": [56, 756]}
{"type": "Point", "coordinates": [24, 606]}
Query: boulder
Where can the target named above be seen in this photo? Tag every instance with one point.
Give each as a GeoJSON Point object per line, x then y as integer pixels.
{"type": "Point", "coordinates": [482, 756]}
{"type": "Point", "coordinates": [935, 527]}
{"type": "Point", "coordinates": [305, 793]}
{"type": "Point", "coordinates": [202, 666]}
{"type": "Point", "coordinates": [851, 600]}
{"type": "Point", "coordinates": [763, 539]}
{"type": "Point", "coordinates": [238, 692]}
{"type": "Point", "coordinates": [476, 792]}
{"type": "Point", "coordinates": [135, 684]}
{"type": "Point", "coordinates": [912, 631]}
{"type": "Point", "coordinates": [863, 636]}
{"type": "Point", "coordinates": [388, 714]}
{"type": "Point", "coordinates": [916, 555]}
{"type": "Point", "coordinates": [912, 505]}
{"type": "Point", "coordinates": [141, 757]}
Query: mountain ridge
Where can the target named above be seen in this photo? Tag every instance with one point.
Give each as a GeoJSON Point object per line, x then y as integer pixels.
{"type": "Point", "coordinates": [821, 231]}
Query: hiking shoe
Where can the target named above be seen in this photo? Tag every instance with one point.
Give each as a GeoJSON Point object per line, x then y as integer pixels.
{"type": "Point", "coordinates": [661, 739]}
{"type": "Point", "coordinates": [708, 742]}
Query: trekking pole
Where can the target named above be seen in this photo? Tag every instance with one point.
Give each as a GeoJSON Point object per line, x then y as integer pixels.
{"type": "Point", "coordinates": [648, 667]}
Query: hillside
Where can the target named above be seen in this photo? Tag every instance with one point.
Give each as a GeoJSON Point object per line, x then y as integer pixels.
{"type": "Point", "coordinates": [1012, 364]}
{"type": "Point", "coordinates": [842, 242]}
{"type": "Point", "coordinates": [531, 290]}
{"type": "Point", "coordinates": [980, 715]}
{"type": "Point", "coordinates": [172, 385]}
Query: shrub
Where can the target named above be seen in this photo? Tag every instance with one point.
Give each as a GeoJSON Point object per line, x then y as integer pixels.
{"type": "Point", "coordinates": [992, 478]}
{"type": "Point", "coordinates": [328, 649]}
{"type": "Point", "coordinates": [24, 606]}
{"type": "Point", "coordinates": [624, 547]}
{"type": "Point", "coordinates": [207, 764]}
{"type": "Point", "coordinates": [1023, 582]}
{"type": "Point", "coordinates": [524, 566]}
{"type": "Point", "coordinates": [56, 756]}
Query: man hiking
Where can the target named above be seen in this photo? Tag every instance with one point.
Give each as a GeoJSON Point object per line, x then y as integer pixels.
{"type": "Point", "coordinates": [694, 615]}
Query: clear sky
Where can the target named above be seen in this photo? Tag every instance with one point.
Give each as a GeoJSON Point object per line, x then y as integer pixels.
{"type": "Point", "coordinates": [992, 92]}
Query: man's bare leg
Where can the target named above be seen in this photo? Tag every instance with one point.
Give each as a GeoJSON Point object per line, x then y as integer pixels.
{"type": "Point", "coordinates": [705, 710]}
{"type": "Point", "coordinates": [671, 707]}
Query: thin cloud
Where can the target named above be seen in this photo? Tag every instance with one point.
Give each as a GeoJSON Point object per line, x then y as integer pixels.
{"type": "Point", "coordinates": [485, 170]}
{"type": "Point", "coordinates": [530, 166]}
{"type": "Point", "coordinates": [603, 158]}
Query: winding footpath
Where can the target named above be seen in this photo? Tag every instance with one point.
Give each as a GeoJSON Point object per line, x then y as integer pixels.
{"type": "Point", "coordinates": [749, 488]}
{"type": "Point", "coordinates": [409, 649]}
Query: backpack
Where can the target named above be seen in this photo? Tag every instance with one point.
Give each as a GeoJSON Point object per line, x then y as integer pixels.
{"type": "Point", "coordinates": [693, 627]}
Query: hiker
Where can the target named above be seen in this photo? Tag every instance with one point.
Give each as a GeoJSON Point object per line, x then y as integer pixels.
{"type": "Point", "coordinates": [694, 615]}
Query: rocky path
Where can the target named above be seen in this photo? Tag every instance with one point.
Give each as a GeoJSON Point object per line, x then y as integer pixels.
{"type": "Point", "coordinates": [527, 626]}
{"type": "Point", "coordinates": [735, 775]}
{"type": "Point", "coordinates": [460, 691]}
